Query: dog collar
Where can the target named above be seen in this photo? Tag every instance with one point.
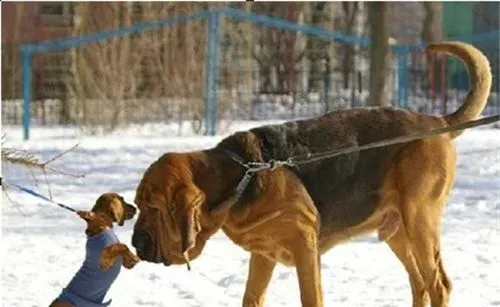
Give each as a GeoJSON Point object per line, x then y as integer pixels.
{"type": "Point", "coordinates": [245, 181]}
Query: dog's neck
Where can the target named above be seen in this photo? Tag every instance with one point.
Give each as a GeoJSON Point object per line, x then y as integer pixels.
{"type": "Point", "coordinates": [218, 177]}
{"type": "Point", "coordinates": [96, 227]}
{"type": "Point", "coordinates": [92, 231]}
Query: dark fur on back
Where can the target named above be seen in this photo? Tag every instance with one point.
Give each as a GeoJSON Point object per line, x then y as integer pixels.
{"type": "Point", "coordinates": [343, 188]}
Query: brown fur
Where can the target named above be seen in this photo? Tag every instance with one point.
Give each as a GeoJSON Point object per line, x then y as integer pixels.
{"type": "Point", "coordinates": [109, 208]}
{"type": "Point", "coordinates": [293, 215]}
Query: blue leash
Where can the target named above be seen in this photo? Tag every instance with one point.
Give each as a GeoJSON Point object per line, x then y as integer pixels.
{"type": "Point", "coordinates": [36, 194]}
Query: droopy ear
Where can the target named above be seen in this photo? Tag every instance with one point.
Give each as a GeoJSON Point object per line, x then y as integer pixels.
{"type": "Point", "coordinates": [248, 146]}
{"type": "Point", "coordinates": [117, 214]}
{"type": "Point", "coordinates": [189, 201]}
{"type": "Point", "coordinates": [251, 146]}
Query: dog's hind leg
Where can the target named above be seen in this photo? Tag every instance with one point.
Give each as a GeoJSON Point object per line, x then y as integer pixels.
{"type": "Point", "coordinates": [423, 195]}
{"type": "Point", "coordinates": [392, 229]}
{"type": "Point", "coordinates": [402, 248]}
{"type": "Point", "coordinates": [259, 276]}
{"type": "Point", "coordinates": [426, 246]}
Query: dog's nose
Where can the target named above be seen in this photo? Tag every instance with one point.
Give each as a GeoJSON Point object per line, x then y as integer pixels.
{"type": "Point", "coordinates": [140, 241]}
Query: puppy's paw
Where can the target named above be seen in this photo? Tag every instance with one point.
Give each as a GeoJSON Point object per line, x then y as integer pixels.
{"type": "Point", "coordinates": [107, 260]}
{"type": "Point", "coordinates": [130, 261]}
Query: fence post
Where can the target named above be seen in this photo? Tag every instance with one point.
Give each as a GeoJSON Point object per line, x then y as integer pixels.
{"type": "Point", "coordinates": [26, 88]}
{"type": "Point", "coordinates": [402, 55]}
{"type": "Point", "coordinates": [212, 72]}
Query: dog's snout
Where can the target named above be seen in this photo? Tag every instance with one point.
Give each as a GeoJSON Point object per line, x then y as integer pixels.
{"type": "Point", "coordinates": [140, 241]}
{"type": "Point", "coordinates": [132, 209]}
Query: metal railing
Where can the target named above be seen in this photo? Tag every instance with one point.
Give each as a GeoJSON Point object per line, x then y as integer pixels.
{"type": "Point", "coordinates": [251, 102]}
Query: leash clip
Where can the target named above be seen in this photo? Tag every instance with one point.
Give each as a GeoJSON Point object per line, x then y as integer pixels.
{"type": "Point", "coordinates": [274, 164]}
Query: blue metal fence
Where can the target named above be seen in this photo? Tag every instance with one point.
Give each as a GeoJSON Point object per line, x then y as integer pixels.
{"type": "Point", "coordinates": [213, 53]}
{"type": "Point", "coordinates": [212, 71]}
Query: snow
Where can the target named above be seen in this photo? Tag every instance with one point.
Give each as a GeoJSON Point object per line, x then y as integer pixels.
{"type": "Point", "coordinates": [43, 245]}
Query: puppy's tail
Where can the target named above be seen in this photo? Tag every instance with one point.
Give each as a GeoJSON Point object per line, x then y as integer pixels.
{"type": "Point", "coordinates": [478, 67]}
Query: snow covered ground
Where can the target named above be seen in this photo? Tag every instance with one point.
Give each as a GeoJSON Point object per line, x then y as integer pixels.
{"type": "Point", "coordinates": [43, 246]}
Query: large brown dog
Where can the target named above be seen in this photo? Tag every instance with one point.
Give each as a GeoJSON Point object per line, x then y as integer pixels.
{"type": "Point", "coordinates": [294, 214]}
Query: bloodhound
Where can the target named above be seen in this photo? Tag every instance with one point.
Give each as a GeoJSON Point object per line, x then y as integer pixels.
{"type": "Point", "coordinates": [292, 215]}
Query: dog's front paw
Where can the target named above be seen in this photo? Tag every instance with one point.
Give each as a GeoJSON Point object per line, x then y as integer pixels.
{"type": "Point", "coordinates": [107, 260]}
{"type": "Point", "coordinates": [130, 261]}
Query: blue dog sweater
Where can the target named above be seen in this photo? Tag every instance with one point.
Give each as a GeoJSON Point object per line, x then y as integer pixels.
{"type": "Point", "coordinates": [90, 284]}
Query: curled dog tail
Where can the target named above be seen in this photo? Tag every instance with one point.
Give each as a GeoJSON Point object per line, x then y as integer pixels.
{"type": "Point", "coordinates": [478, 67]}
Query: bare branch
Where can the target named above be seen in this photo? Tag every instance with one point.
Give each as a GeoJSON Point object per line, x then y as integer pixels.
{"type": "Point", "coordinates": [60, 154]}
{"type": "Point", "coordinates": [16, 204]}
{"type": "Point", "coordinates": [29, 161]}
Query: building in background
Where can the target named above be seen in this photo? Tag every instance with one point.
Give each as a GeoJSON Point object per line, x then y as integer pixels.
{"type": "Point", "coordinates": [467, 19]}
{"type": "Point", "coordinates": [34, 22]}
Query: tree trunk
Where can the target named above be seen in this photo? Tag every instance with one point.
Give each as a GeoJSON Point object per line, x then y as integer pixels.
{"type": "Point", "coordinates": [350, 11]}
{"type": "Point", "coordinates": [431, 32]}
{"type": "Point", "coordinates": [316, 47]}
{"type": "Point", "coordinates": [431, 29]}
{"type": "Point", "coordinates": [378, 19]}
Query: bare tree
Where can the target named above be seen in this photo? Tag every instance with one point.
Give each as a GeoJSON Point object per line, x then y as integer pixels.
{"type": "Point", "coordinates": [11, 59]}
{"type": "Point", "coordinates": [106, 72]}
{"type": "Point", "coordinates": [16, 157]}
{"type": "Point", "coordinates": [277, 52]}
{"type": "Point", "coordinates": [431, 29]}
{"type": "Point", "coordinates": [318, 49]}
{"type": "Point", "coordinates": [432, 32]}
{"type": "Point", "coordinates": [350, 12]}
{"type": "Point", "coordinates": [378, 19]}
{"type": "Point", "coordinates": [173, 64]}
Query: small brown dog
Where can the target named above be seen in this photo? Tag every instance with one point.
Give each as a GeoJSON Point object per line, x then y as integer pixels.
{"type": "Point", "coordinates": [102, 264]}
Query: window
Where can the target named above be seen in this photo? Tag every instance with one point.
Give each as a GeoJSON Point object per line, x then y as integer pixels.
{"type": "Point", "coordinates": [52, 8]}
{"type": "Point", "coordinates": [57, 14]}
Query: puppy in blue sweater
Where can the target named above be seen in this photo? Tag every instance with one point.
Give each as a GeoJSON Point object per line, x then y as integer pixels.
{"type": "Point", "coordinates": [104, 254]}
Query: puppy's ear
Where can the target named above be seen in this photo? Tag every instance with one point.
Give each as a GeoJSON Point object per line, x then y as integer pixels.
{"type": "Point", "coordinates": [118, 217]}
{"type": "Point", "coordinates": [116, 212]}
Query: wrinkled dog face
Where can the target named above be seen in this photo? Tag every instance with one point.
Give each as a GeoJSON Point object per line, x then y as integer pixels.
{"type": "Point", "coordinates": [168, 227]}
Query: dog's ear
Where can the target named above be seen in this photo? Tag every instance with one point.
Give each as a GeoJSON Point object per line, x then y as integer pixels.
{"type": "Point", "coordinates": [117, 213]}
{"type": "Point", "coordinates": [248, 146]}
{"type": "Point", "coordinates": [251, 146]}
{"type": "Point", "coordinates": [189, 201]}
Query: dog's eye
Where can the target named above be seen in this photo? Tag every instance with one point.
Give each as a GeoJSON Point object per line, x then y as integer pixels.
{"type": "Point", "coordinates": [153, 209]}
